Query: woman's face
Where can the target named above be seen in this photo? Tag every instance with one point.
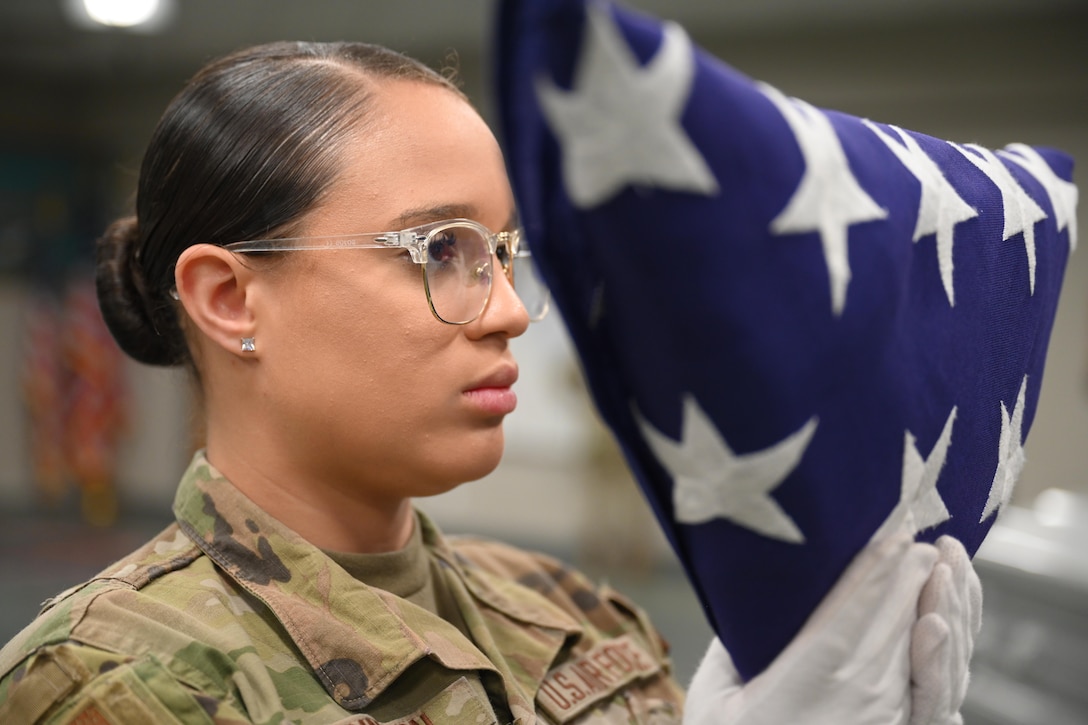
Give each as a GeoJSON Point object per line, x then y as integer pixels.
{"type": "Point", "coordinates": [366, 387]}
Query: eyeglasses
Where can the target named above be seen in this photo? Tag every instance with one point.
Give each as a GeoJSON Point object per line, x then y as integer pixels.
{"type": "Point", "coordinates": [456, 257]}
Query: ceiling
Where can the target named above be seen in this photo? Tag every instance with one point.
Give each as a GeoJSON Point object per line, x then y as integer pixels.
{"type": "Point", "coordinates": [100, 91]}
{"type": "Point", "coordinates": [38, 41]}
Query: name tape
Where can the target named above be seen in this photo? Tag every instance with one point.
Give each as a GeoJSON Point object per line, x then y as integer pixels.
{"type": "Point", "coordinates": [576, 685]}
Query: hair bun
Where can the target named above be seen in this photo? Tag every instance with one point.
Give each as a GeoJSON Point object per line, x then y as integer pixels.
{"type": "Point", "coordinates": [146, 331]}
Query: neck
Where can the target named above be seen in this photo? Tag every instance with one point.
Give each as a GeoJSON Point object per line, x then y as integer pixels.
{"type": "Point", "coordinates": [331, 515]}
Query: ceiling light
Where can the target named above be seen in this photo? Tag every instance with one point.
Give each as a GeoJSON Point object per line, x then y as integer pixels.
{"type": "Point", "coordinates": [121, 13]}
{"type": "Point", "coordinates": [142, 16]}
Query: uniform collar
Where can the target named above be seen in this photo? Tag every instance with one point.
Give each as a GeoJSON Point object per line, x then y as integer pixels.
{"type": "Point", "coordinates": [318, 603]}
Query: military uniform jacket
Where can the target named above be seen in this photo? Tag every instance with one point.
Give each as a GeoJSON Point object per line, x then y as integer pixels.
{"type": "Point", "coordinates": [230, 617]}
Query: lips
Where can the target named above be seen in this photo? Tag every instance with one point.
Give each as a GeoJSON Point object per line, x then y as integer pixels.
{"type": "Point", "coordinates": [504, 377]}
{"type": "Point", "coordinates": [492, 395]}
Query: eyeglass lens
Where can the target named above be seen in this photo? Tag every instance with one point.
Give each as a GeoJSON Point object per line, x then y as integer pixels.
{"type": "Point", "coordinates": [458, 275]}
{"type": "Point", "coordinates": [530, 287]}
{"type": "Point", "coordinates": [458, 272]}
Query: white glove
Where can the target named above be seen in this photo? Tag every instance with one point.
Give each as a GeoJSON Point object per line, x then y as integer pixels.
{"type": "Point", "coordinates": [949, 618]}
{"type": "Point", "coordinates": [851, 663]}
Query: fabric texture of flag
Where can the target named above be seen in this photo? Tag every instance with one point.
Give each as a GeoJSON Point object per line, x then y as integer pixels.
{"type": "Point", "coordinates": [804, 328]}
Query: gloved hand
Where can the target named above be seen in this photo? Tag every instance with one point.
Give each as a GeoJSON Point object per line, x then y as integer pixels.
{"type": "Point", "coordinates": [892, 638]}
{"type": "Point", "coordinates": [949, 618]}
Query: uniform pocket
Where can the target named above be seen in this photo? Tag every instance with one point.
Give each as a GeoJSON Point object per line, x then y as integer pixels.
{"type": "Point", "coordinates": [142, 690]}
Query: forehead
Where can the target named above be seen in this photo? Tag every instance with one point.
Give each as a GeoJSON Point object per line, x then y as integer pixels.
{"type": "Point", "coordinates": [422, 154]}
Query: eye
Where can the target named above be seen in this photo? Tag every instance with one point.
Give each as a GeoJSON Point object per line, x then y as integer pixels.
{"type": "Point", "coordinates": [502, 251]}
{"type": "Point", "coordinates": [442, 248]}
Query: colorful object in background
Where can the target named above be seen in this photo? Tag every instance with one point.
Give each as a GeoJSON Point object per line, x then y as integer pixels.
{"type": "Point", "coordinates": [76, 400]}
{"type": "Point", "coordinates": [72, 373]}
{"type": "Point", "coordinates": [96, 411]}
{"type": "Point", "coordinates": [43, 383]}
{"type": "Point", "coordinates": [803, 327]}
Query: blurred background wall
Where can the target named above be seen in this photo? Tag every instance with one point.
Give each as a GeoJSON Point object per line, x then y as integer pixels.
{"type": "Point", "coordinates": [78, 103]}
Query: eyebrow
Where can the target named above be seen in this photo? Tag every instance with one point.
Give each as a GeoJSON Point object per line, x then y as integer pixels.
{"type": "Point", "coordinates": [424, 215]}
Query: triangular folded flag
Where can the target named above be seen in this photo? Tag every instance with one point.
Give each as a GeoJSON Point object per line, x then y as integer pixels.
{"type": "Point", "coordinates": [804, 328]}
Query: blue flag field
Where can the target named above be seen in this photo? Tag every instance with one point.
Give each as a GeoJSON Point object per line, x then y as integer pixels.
{"type": "Point", "coordinates": [804, 328]}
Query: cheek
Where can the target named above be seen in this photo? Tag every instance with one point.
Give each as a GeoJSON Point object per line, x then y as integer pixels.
{"type": "Point", "coordinates": [367, 386]}
{"type": "Point", "coordinates": [363, 352]}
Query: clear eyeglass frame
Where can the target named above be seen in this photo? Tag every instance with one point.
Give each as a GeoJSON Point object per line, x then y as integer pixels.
{"type": "Point", "coordinates": [507, 247]}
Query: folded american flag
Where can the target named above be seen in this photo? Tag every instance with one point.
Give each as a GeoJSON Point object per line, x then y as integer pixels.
{"type": "Point", "coordinates": [804, 328]}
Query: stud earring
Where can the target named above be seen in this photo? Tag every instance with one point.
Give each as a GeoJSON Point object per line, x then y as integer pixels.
{"type": "Point", "coordinates": [249, 344]}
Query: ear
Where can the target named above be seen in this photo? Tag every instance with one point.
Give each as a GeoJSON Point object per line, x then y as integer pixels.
{"type": "Point", "coordinates": [215, 289]}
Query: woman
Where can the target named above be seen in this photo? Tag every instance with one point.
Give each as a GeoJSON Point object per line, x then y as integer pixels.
{"type": "Point", "coordinates": [337, 384]}
{"type": "Point", "coordinates": [325, 237]}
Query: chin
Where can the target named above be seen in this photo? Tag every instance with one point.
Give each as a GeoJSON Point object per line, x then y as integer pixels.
{"type": "Point", "coordinates": [445, 485]}
{"type": "Point", "coordinates": [472, 463]}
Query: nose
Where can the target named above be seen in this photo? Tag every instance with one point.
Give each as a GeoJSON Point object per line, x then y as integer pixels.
{"type": "Point", "coordinates": [504, 313]}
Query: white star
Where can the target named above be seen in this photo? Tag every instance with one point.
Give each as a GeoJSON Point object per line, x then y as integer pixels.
{"type": "Point", "coordinates": [1010, 454]}
{"type": "Point", "coordinates": [920, 503]}
{"type": "Point", "coordinates": [829, 198]}
{"type": "Point", "coordinates": [710, 481]}
{"type": "Point", "coordinates": [620, 124]}
{"type": "Point", "coordinates": [941, 207]}
{"type": "Point", "coordinates": [1063, 194]}
{"type": "Point", "coordinates": [1021, 211]}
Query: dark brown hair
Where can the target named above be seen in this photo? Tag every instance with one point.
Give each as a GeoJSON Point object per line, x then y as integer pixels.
{"type": "Point", "coordinates": [242, 152]}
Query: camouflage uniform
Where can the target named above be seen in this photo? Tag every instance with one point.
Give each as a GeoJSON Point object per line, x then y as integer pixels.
{"type": "Point", "coordinates": [229, 617]}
